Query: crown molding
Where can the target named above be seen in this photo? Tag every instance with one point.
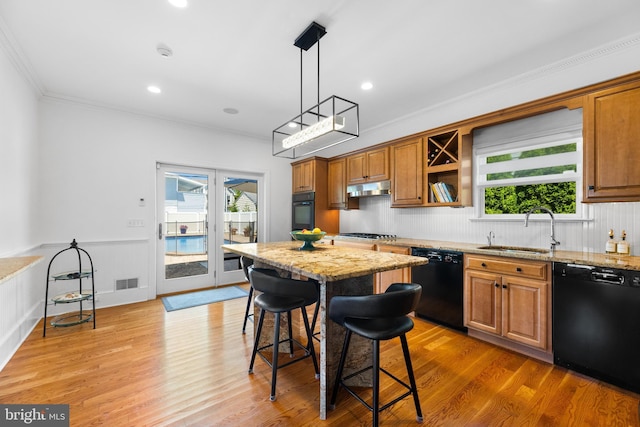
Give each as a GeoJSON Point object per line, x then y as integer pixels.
{"type": "Point", "coordinates": [615, 47]}
{"type": "Point", "coordinates": [19, 60]}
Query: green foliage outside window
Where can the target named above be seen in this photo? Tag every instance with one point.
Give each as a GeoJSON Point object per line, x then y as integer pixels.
{"type": "Point", "coordinates": [560, 197]}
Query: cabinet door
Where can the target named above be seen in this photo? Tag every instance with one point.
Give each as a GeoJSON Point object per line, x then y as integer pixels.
{"type": "Point", "coordinates": [612, 132]}
{"type": "Point", "coordinates": [378, 165]}
{"type": "Point", "coordinates": [525, 311]}
{"type": "Point", "coordinates": [483, 301]}
{"type": "Point", "coordinates": [357, 169]}
{"type": "Point", "coordinates": [401, 275]}
{"type": "Point", "coordinates": [406, 159]}
{"type": "Point", "coordinates": [303, 177]}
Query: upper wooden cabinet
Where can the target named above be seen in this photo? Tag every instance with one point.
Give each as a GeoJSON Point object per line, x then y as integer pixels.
{"type": "Point", "coordinates": [312, 175]}
{"type": "Point", "coordinates": [337, 186]}
{"type": "Point", "coordinates": [406, 173]}
{"type": "Point", "coordinates": [611, 136]}
{"type": "Point", "coordinates": [370, 166]}
{"type": "Point", "coordinates": [304, 176]}
{"type": "Point", "coordinates": [448, 160]}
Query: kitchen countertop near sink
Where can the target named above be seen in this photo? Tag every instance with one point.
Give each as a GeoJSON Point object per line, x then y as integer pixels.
{"type": "Point", "coordinates": [627, 262]}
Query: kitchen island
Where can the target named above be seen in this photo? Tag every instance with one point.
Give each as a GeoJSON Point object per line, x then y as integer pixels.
{"type": "Point", "coordinates": [340, 271]}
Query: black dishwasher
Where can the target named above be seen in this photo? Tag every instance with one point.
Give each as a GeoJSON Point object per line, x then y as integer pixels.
{"type": "Point", "coordinates": [596, 322]}
{"type": "Point", "coordinates": [442, 287]}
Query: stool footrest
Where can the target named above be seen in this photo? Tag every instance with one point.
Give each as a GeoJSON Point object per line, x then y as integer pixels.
{"type": "Point", "coordinates": [307, 353]}
{"type": "Point", "coordinates": [389, 374]}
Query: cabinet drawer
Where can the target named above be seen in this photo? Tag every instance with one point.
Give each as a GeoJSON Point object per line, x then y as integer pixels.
{"type": "Point", "coordinates": [511, 266]}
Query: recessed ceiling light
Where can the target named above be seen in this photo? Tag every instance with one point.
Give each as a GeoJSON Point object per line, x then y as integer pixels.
{"type": "Point", "coordinates": [179, 3]}
{"type": "Point", "coordinates": [231, 110]}
{"type": "Point", "coordinates": [366, 85]}
{"type": "Point", "coordinates": [293, 125]}
{"type": "Point", "coordinates": [154, 89]}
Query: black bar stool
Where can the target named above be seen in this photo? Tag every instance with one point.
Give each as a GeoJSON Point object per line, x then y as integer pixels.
{"type": "Point", "coordinates": [377, 317]}
{"type": "Point", "coordinates": [281, 295]}
{"type": "Point", "coordinates": [246, 262]}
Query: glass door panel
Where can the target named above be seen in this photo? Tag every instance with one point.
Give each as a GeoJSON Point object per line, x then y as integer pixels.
{"type": "Point", "coordinates": [184, 248]}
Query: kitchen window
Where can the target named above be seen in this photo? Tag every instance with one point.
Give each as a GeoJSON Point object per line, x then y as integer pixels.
{"type": "Point", "coordinates": [531, 162]}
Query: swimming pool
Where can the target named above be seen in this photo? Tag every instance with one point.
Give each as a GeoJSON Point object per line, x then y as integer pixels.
{"type": "Point", "coordinates": [186, 244]}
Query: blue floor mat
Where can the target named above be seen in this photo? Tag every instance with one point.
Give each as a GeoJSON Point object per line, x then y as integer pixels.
{"type": "Point", "coordinates": [194, 299]}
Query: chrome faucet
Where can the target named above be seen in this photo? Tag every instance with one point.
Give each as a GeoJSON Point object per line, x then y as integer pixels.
{"type": "Point", "coordinates": [490, 237]}
{"type": "Point", "coordinates": [554, 242]}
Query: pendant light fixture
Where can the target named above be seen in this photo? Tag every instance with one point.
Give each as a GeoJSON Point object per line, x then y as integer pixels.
{"type": "Point", "coordinates": [328, 123]}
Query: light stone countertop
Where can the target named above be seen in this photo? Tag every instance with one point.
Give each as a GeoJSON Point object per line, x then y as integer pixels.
{"type": "Point", "coordinates": [11, 267]}
{"type": "Point", "coordinates": [327, 263]}
{"type": "Point", "coordinates": [626, 262]}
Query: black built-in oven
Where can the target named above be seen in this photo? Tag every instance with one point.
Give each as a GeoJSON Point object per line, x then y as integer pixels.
{"type": "Point", "coordinates": [303, 211]}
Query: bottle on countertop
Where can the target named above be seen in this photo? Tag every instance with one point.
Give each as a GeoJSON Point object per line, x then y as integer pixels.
{"type": "Point", "coordinates": [623, 245]}
{"type": "Point", "coordinates": [611, 245]}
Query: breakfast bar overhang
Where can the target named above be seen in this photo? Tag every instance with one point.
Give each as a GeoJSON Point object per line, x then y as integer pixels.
{"type": "Point", "coordinates": [340, 271]}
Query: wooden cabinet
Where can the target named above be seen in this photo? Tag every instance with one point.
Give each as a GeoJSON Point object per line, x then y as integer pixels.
{"type": "Point", "coordinates": [370, 166]}
{"type": "Point", "coordinates": [509, 298]}
{"type": "Point", "coordinates": [406, 173]}
{"type": "Point", "coordinates": [304, 176]}
{"type": "Point", "coordinates": [448, 162]}
{"type": "Point", "coordinates": [311, 175]}
{"type": "Point", "coordinates": [611, 154]}
{"type": "Point", "coordinates": [382, 280]}
{"type": "Point", "coordinates": [401, 275]}
{"type": "Point", "coordinates": [337, 186]}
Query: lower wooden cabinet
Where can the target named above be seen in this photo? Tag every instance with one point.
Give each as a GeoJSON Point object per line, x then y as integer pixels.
{"type": "Point", "coordinates": [509, 298]}
{"type": "Point", "coordinates": [385, 278]}
{"type": "Point", "coordinates": [382, 280]}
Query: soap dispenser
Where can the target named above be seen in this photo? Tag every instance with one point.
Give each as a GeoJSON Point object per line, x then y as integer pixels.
{"type": "Point", "coordinates": [611, 245]}
{"type": "Point", "coordinates": [623, 245]}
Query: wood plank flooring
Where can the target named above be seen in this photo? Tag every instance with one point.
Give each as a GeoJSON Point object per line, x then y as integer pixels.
{"type": "Point", "coordinates": [143, 366]}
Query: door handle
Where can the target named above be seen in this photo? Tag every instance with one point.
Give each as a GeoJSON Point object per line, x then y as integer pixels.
{"type": "Point", "coordinates": [160, 231]}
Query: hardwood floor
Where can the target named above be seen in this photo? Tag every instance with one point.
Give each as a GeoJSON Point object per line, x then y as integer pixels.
{"type": "Point", "coordinates": [143, 366]}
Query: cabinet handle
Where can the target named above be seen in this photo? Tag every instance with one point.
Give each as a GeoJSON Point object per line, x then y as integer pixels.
{"type": "Point", "coordinates": [495, 283]}
{"type": "Point", "coordinates": [484, 265]}
{"type": "Point", "coordinates": [519, 270]}
{"type": "Point", "coordinates": [504, 286]}
{"type": "Point", "coordinates": [159, 231]}
{"type": "Point", "coordinates": [592, 187]}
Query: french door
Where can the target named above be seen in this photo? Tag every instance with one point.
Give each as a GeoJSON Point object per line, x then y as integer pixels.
{"type": "Point", "coordinates": [198, 210]}
{"type": "Point", "coordinates": [185, 242]}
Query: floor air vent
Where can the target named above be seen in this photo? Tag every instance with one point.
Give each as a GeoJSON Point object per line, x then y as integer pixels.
{"type": "Point", "coordinates": [126, 284]}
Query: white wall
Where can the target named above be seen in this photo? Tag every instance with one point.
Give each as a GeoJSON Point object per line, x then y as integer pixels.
{"type": "Point", "coordinates": [97, 164]}
{"type": "Point", "coordinates": [375, 214]}
{"type": "Point", "coordinates": [18, 155]}
{"type": "Point", "coordinates": [20, 296]}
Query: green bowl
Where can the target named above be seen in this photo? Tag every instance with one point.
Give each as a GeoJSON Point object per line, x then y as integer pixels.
{"type": "Point", "coordinates": [307, 238]}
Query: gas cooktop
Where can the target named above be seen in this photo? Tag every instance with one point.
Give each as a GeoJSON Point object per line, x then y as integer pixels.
{"type": "Point", "coordinates": [376, 236]}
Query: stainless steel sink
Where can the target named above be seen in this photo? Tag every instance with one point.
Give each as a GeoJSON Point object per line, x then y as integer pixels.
{"type": "Point", "coordinates": [515, 249]}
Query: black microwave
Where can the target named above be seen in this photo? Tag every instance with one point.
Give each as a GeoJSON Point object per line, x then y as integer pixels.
{"type": "Point", "coordinates": [303, 211]}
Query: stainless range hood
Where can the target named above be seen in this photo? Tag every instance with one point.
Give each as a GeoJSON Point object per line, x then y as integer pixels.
{"type": "Point", "coordinates": [369, 189]}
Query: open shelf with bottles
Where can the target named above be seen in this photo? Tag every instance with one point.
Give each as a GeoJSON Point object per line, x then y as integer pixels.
{"type": "Point", "coordinates": [79, 295]}
{"type": "Point", "coordinates": [448, 168]}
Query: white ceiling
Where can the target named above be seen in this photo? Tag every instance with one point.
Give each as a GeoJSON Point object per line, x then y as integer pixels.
{"type": "Point", "coordinates": [240, 54]}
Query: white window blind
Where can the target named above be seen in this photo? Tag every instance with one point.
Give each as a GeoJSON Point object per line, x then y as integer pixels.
{"type": "Point", "coordinates": [543, 149]}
